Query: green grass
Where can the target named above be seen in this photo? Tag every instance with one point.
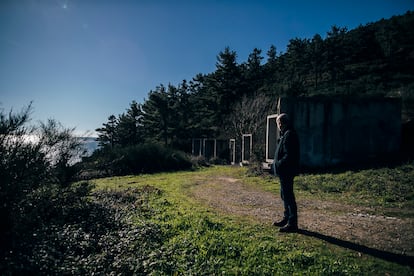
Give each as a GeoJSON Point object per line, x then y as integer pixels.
{"type": "Point", "coordinates": [196, 240]}
{"type": "Point", "coordinates": [384, 187]}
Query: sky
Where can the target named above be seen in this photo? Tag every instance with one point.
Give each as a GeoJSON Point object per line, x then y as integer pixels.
{"type": "Point", "coordinates": [80, 61]}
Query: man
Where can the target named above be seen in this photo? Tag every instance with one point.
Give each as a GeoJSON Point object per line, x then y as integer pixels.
{"type": "Point", "coordinates": [286, 166]}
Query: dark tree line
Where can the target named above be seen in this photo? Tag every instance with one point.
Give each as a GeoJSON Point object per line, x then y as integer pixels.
{"type": "Point", "coordinates": [372, 60]}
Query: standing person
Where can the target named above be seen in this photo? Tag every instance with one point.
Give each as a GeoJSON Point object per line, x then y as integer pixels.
{"type": "Point", "coordinates": [286, 166]}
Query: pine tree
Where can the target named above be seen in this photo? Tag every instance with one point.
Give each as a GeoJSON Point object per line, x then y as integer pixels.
{"type": "Point", "coordinates": [129, 128]}
{"type": "Point", "coordinates": [157, 116]}
{"type": "Point", "coordinates": [107, 134]}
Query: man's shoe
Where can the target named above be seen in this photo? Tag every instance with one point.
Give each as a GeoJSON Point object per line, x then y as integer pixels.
{"type": "Point", "coordinates": [289, 228]}
{"type": "Point", "coordinates": [281, 223]}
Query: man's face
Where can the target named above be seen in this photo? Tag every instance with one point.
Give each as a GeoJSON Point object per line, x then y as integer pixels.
{"type": "Point", "coordinates": [279, 125]}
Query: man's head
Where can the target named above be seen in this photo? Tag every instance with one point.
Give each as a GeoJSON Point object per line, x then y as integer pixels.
{"type": "Point", "coordinates": [282, 121]}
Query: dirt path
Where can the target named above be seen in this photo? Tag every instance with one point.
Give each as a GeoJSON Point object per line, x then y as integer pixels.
{"type": "Point", "coordinates": [349, 224]}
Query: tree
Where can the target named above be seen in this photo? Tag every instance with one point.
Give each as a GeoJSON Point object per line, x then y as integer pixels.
{"type": "Point", "coordinates": [129, 128]}
{"type": "Point", "coordinates": [107, 134]}
{"type": "Point", "coordinates": [271, 73]}
{"type": "Point", "coordinates": [252, 72]}
{"type": "Point", "coordinates": [297, 58]}
{"type": "Point", "coordinates": [205, 117]}
{"type": "Point", "coordinates": [272, 55]}
{"type": "Point", "coordinates": [335, 53]}
{"type": "Point", "coordinates": [249, 113]}
{"type": "Point", "coordinates": [376, 58]}
{"type": "Point", "coordinates": [225, 81]}
{"type": "Point", "coordinates": [157, 116]}
{"type": "Point", "coordinates": [182, 110]}
{"type": "Point", "coordinates": [316, 58]}
{"type": "Point", "coordinates": [249, 117]}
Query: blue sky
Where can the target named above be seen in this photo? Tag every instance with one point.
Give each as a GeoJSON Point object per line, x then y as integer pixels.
{"type": "Point", "coordinates": [80, 61]}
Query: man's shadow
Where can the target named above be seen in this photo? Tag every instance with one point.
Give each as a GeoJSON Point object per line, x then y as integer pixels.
{"type": "Point", "coordinates": [387, 256]}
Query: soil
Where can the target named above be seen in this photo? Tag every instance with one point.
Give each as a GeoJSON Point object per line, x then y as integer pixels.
{"type": "Point", "coordinates": [343, 224]}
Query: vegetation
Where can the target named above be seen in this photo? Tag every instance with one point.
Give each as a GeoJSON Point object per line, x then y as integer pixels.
{"type": "Point", "coordinates": [36, 191]}
{"type": "Point", "coordinates": [149, 224]}
{"type": "Point", "coordinates": [386, 187]}
{"type": "Point", "coordinates": [136, 159]}
{"type": "Point", "coordinates": [375, 60]}
{"type": "Point", "coordinates": [45, 216]}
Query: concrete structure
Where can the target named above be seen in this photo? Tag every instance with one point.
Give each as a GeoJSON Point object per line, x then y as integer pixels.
{"type": "Point", "coordinates": [246, 152]}
{"type": "Point", "coordinates": [272, 134]}
{"type": "Point", "coordinates": [340, 131]}
{"type": "Point", "coordinates": [232, 147]}
{"type": "Point", "coordinates": [212, 148]}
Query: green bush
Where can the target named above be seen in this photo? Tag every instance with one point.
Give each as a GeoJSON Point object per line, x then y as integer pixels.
{"type": "Point", "coordinates": [36, 192]}
{"type": "Point", "coordinates": [143, 158]}
{"type": "Point", "coordinates": [95, 237]}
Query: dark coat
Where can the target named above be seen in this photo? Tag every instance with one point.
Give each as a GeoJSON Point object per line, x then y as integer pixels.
{"type": "Point", "coordinates": [287, 154]}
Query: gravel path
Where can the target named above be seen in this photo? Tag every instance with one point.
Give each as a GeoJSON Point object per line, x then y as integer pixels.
{"type": "Point", "coordinates": [346, 225]}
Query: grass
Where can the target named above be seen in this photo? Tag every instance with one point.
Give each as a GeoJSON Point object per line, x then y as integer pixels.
{"type": "Point", "coordinates": [381, 188]}
{"type": "Point", "coordinates": [196, 240]}
{"type": "Point", "coordinates": [386, 188]}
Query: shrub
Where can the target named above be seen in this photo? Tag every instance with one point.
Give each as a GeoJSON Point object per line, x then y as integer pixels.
{"type": "Point", "coordinates": [35, 190]}
{"type": "Point", "coordinates": [98, 239]}
{"type": "Point", "coordinates": [143, 158]}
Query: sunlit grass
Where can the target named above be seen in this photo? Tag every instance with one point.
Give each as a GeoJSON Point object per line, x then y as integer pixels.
{"type": "Point", "coordinates": [383, 187]}
{"type": "Point", "coordinates": [198, 240]}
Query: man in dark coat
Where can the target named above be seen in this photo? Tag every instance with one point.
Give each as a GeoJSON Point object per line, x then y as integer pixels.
{"type": "Point", "coordinates": [286, 166]}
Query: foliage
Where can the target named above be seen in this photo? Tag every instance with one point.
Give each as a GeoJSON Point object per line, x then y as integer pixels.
{"type": "Point", "coordinates": [137, 159]}
{"type": "Point", "coordinates": [149, 225]}
{"type": "Point", "coordinates": [371, 60]}
{"type": "Point", "coordinates": [36, 172]}
{"type": "Point", "coordinates": [96, 239]}
{"type": "Point", "coordinates": [196, 240]}
{"type": "Point", "coordinates": [124, 130]}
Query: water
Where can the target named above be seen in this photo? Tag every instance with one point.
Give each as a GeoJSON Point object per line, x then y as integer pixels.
{"type": "Point", "coordinates": [89, 144]}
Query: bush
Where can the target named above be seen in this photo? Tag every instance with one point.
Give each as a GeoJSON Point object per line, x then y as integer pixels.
{"type": "Point", "coordinates": [50, 225]}
{"type": "Point", "coordinates": [100, 239]}
{"type": "Point", "coordinates": [144, 158]}
{"type": "Point", "coordinates": [35, 189]}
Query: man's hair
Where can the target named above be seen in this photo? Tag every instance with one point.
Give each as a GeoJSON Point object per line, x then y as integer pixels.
{"type": "Point", "coordinates": [283, 119]}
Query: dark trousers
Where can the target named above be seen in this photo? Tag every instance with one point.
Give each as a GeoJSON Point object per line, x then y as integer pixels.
{"type": "Point", "coordinates": [289, 201]}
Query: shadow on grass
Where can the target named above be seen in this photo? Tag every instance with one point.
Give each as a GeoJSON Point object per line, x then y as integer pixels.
{"type": "Point", "coordinates": [387, 256]}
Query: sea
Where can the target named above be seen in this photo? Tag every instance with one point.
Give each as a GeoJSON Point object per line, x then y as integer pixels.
{"type": "Point", "coordinates": [89, 144]}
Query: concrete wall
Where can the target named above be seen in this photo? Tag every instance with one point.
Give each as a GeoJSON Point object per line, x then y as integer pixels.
{"type": "Point", "coordinates": [336, 131]}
